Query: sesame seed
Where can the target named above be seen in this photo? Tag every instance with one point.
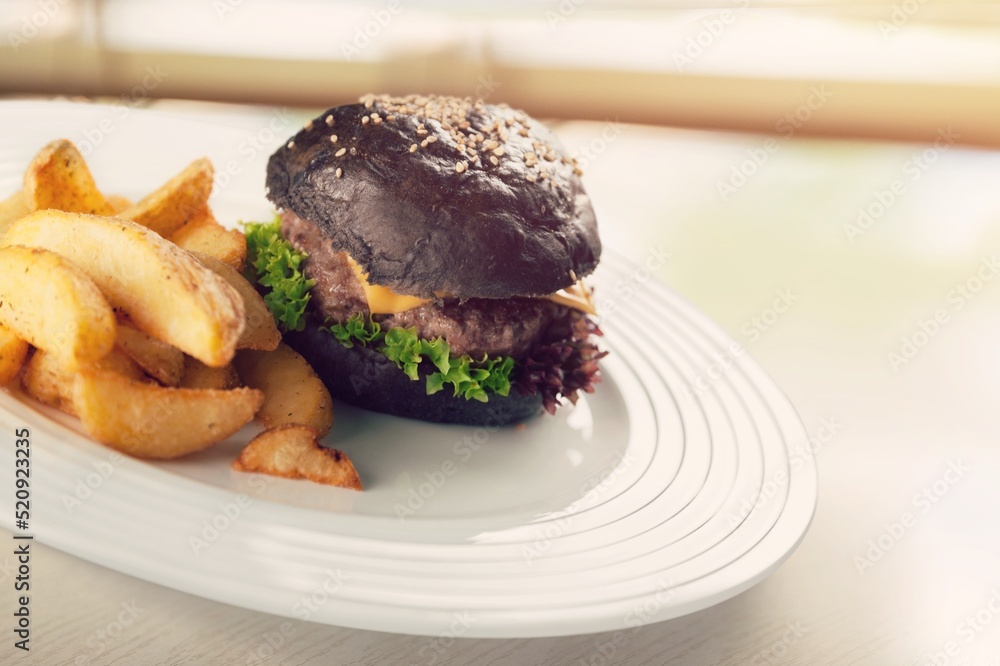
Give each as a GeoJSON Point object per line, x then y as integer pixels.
{"type": "Point", "coordinates": [354, 151]}
{"type": "Point", "coordinates": [377, 120]}
{"type": "Point", "coordinates": [494, 160]}
{"type": "Point", "coordinates": [340, 172]}
{"type": "Point", "coordinates": [461, 166]}
{"type": "Point", "coordinates": [309, 124]}
{"type": "Point", "coordinates": [421, 131]}
{"type": "Point", "coordinates": [499, 152]}
{"type": "Point", "coordinates": [291, 144]}
{"type": "Point", "coordinates": [532, 178]}
{"type": "Point", "coordinates": [431, 139]}
{"type": "Point", "coordinates": [333, 138]}
{"type": "Point", "coordinates": [365, 120]}
{"type": "Point", "coordinates": [423, 144]}
{"type": "Point", "coordinates": [413, 147]}
{"type": "Point", "coordinates": [329, 120]}
{"type": "Point", "coordinates": [390, 118]}
{"type": "Point", "coordinates": [341, 152]}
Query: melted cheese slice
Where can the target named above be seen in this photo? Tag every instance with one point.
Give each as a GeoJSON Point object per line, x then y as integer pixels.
{"type": "Point", "coordinates": [577, 296]}
{"type": "Point", "coordinates": [382, 300]}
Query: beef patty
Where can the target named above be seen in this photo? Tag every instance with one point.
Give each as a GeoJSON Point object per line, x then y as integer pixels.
{"type": "Point", "coordinates": [475, 326]}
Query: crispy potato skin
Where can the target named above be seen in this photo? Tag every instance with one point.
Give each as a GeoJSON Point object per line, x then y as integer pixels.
{"type": "Point", "coordinates": [158, 359]}
{"type": "Point", "coordinates": [293, 452]}
{"type": "Point", "coordinates": [158, 422]}
{"type": "Point", "coordinates": [205, 235]}
{"type": "Point", "coordinates": [293, 393]}
{"type": "Point", "coordinates": [260, 332]}
{"type": "Point", "coordinates": [13, 351]}
{"type": "Point", "coordinates": [53, 305]}
{"type": "Point", "coordinates": [163, 290]}
{"type": "Point", "coordinates": [176, 202]}
{"type": "Point", "coordinates": [48, 381]}
{"type": "Point", "coordinates": [59, 178]}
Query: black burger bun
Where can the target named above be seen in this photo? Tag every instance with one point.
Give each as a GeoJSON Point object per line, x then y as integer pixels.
{"type": "Point", "coordinates": [439, 195]}
{"type": "Point", "coordinates": [366, 378]}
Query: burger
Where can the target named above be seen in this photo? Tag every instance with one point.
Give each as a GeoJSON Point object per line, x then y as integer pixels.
{"type": "Point", "coordinates": [428, 259]}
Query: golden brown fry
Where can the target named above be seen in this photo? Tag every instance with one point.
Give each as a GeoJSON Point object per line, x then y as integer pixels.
{"type": "Point", "coordinates": [12, 209]}
{"type": "Point", "coordinates": [260, 332]}
{"type": "Point", "coordinates": [293, 394]}
{"type": "Point", "coordinates": [58, 178]}
{"type": "Point", "coordinates": [176, 202]}
{"type": "Point", "coordinates": [198, 375]}
{"type": "Point", "coordinates": [48, 381]}
{"type": "Point", "coordinates": [164, 290]}
{"type": "Point", "coordinates": [151, 421]}
{"type": "Point", "coordinates": [292, 452]}
{"type": "Point", "coordinates": [13, 351]}
{"type": "Point", "coordinates": [118, 203]}
{"type": "Point", "coordinates": [52, 304]}
{"type": "Point", "coordinates": [205, 235]}
{"type": "Point", "coordinates": [161, 361]}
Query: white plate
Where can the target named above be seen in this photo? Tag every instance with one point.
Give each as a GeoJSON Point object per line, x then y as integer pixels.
{"type": "Point", "coordinates": [675, 486]}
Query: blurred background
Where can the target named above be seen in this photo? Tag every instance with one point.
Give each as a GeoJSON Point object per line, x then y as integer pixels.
{"type": "Point", "coordinates": [900, 68]}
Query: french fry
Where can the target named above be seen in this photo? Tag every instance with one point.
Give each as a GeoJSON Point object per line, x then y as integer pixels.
{"type": "Point", "coordinates": [292, 452]}
{"type": "Point", "coordinates": [260, 332]}
{"type": "Point", "coordinates": [161, 361]}
{"type": "Point", "coordinates": [165, 291]}
{"type": "Point", "coordinates": [52, 304]}
{"type": "Point", "coordinates": [205, 235]}
{"type": "Point", "coordinates": [48, 381]}
{"type": "Point", "coordinates": [198, 375]}
{"type": "Point", "coordinates": [118, 203]}
{"type": "Point", "coordinates": [58, 178]}
{"type": "Point", "coordinates": [151, 421]}
{"type": "Point", "coordinates": [176, 202]}
{"type": "Point", "coordinates": [13, 351]}
{"type": "Point", "coordinates": [12, 209]}
{"type": "Point", "coordinates": [293, 394]}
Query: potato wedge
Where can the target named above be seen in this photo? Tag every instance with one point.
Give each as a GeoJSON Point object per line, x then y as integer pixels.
{"type": "Point", "coordinates": [293, 394]}
{"type": "Point", "coordinates": [118, 203]}
{"type": "Point", "coordinates": [198, 375]}
{"type": "Point", "coordinates": [205, 235]}
{"type": "Point", "coordinates": [165, 291]}
{"type": "Point", "coordinates": [52, 304]}
{"type": "Point", "coordinates": [161, 361]}
{"type": "Point", "coordinates": [12, 208]}
{"type": "Point", "coordinates": [48, 381]}
{"type": "Point", "coordinates": [13, 351]}
{"type": "Point", "coordinates": [292, 452]}
{"type": "Point", "coordinates": [176, 202]}
{"type": "Point", "coordinates": [151, 421]}
{"type": "Point", "coordinates": [58, 178]}
{"type": "Point", "coordinates": [260, 332]}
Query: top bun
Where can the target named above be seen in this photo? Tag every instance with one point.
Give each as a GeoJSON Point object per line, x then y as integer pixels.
{"type": "Point", "coordinates": [440, 195]}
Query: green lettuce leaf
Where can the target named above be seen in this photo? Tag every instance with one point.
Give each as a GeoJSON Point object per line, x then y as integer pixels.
{"type": "Point", "coordinates": [469, 378]}
{"type": "Point", "coordinates": [357, 329]}
{"type": "Point", "coordinates": [277, 265]}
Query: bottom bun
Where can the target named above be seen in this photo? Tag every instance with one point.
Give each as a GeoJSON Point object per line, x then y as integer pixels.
{"type": "Point", "coordinates": [366, 378]}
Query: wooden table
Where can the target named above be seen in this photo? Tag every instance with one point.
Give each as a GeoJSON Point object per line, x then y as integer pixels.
{"type": "Point", "coordinates": [902, 562]}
